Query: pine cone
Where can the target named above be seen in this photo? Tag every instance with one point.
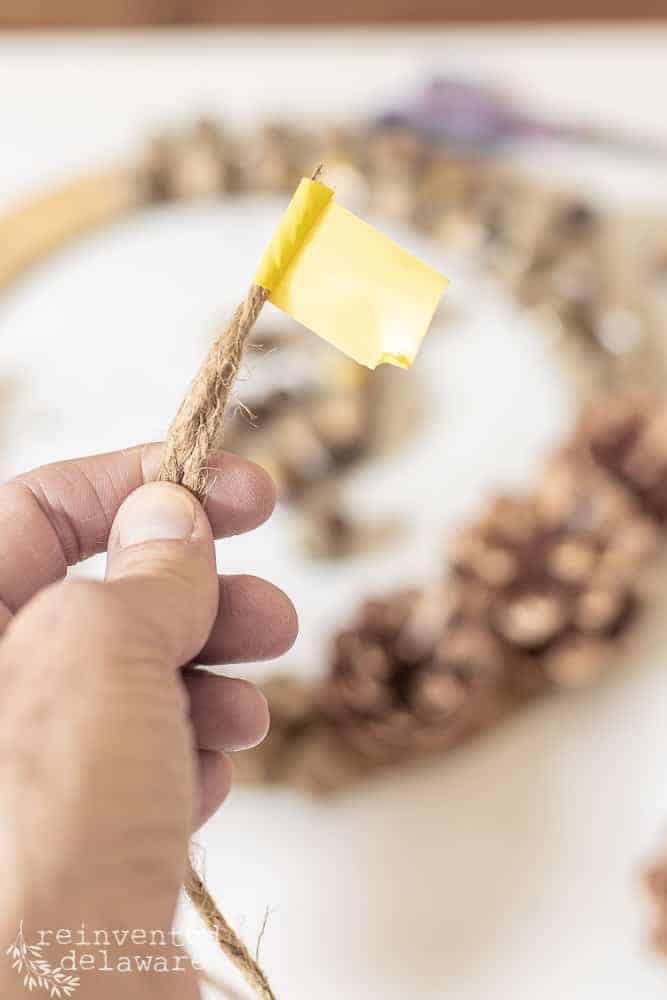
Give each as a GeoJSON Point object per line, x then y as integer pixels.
{"type": "Point", "coordinates": [183, 165]}
{"type": "Point", "coordinates": [557, 574]}
{"type": "Point", "coordinates": [302, 748]}
{"type": "Point", "coordinates": [314, 423]}
{"type": "Point", "coordinates": [272, 158]}
{"type": "Point", "coordinates": [655, 880]}
{"type": "Point", "coordinates": [446, 189]}
{"type": "Point", "coordinates": [415, 673]}
{"type": "Point", "coordinates": [590, 303]}
{"type": "Point", "coordinates": [395, 160]}
{"type": "Point", "coordinates": [627, 437]}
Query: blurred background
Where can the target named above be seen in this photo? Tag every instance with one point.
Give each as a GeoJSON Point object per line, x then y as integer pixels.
{"type": "Point", "coordinates": [113, 13]}
{"type": "Point", "coordinates": [510, 869]}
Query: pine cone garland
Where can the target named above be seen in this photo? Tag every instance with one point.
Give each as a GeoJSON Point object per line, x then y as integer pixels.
{"type": "Point", "coordinates": [544, 592]}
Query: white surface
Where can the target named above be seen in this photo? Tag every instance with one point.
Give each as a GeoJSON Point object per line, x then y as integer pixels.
{"type": "Point", "coordinates": [510, 870]}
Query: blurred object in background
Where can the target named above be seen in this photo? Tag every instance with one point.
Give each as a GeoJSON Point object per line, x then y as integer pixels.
{"type": "Point", "coordinates": [310, 416]}
{"type": "Point", "coordinates": [476, 119]}
{"type": "Point", "coordinates": [331, 530]}
{"type": "Point", "coordinates": [307, 415]}
{"type": "Point", "coordinates": [117, 13]}
{"type": "Point", "coordinates": [655, 880]}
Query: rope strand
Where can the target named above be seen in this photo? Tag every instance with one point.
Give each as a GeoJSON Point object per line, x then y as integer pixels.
{"type": "Point", "coordinates": [194, 433]}
{"type": "Point", "coordinates": [227, 938]}
{"type": "Point", "coordinates": [198, 426]}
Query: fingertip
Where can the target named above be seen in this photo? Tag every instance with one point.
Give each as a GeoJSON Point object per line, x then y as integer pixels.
{"type": "Point", "coordinates": [157, 512]}
{"type": "Point", "coordinates": [227, 713]}
{"type": "Point", "coordinates": [265, 492]}
{"type": "Point", "coordinates": [256, 621]}
{"type": "Point", "coordinates": [242, 495]}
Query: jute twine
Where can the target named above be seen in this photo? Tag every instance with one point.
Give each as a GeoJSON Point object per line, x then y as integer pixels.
{"type": "Point", "coordinates": [228, 940]}
{"type": "Point", "coordinates": [197, 428]}
{"type": "Point", "coordinates": [195, 432]}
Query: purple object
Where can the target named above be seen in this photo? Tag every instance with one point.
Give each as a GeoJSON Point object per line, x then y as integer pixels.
{"type": "Point", "coordinates": [466, 115]}
{"type": "Point", "coordinates": [476, 119]}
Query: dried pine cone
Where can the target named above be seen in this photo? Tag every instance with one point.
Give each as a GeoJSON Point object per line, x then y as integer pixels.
{"type": "Point", "coordinates": [190, 164]}
{"type": "Point", "coordinates": [558, 573]}
{"type": "Point", "coordinates": [414, 673]}
{"type": "Point", "coordinates": [313, 421]}
{"type": "Point", "coordinates": [445, 190]}
{"type": "Point", "coordinates": [273, 158]}
{"type": "Point", "coordinates": [588, 303]}
{"type": "Point", "coordinates": [331, 530]}
{"type": "Point", "coordinates": [395, 162]}
{"type": "Point", "coordinates": [302, 748]}
{"type": "Point", "coordinates": [655, 880]}
{"type": "Point", "coordinates": [627, 437]}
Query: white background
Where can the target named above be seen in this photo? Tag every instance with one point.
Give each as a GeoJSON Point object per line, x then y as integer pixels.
{"type": "Point", "coordinates": [510, 870]}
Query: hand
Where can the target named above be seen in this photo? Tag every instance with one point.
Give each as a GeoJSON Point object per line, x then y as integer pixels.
{"type": "Point", "coordinates": [112, 749]}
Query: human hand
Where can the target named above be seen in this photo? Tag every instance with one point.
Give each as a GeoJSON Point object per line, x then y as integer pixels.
{"type": "Point", "coordinates": [110, 752]}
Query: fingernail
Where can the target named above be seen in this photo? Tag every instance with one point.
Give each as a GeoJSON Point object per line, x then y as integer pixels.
{"type": "Point", "coordinates": [155, 512]}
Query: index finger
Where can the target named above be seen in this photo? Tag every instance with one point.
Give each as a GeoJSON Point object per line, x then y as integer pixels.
{"type": "Point", "coordinates": [57, 515]}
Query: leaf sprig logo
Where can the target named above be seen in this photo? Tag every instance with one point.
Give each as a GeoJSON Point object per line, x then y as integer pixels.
{"type": "Point", "coordinates": [37, 973]}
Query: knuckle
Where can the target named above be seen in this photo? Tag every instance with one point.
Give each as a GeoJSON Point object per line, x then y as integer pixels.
{"type": "Point", "coordinates": [82, 608]}
{"type": "Point", "coordinates": [65, 599]}
{"type": "Point", "coordinates": [88, 613]}
{"type": "Point", "coordinates": [157, 612]}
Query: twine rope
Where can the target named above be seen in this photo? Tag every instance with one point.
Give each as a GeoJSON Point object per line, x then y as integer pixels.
{"type": "Point", "coordinates": [195, 432]}
{"type": "Point", "coordinates": [198, 426]}
{"type": "Point", "coordinates": [227, 938]}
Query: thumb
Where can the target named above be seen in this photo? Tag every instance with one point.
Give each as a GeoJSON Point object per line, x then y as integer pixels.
{"type": "Point", "coordinates": [90, 713]}
{"type": "Point", "coordinates": [161, 563]}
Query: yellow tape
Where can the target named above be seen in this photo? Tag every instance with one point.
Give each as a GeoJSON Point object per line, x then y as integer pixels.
{"type": "Point", "coordinates": [347, 282]}
{"type": "Point", "coordinates": [305, 208]}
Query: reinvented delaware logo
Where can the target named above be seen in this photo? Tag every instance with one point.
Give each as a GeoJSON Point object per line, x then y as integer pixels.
{"type": "Point", "coordinates": [37, 972]}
